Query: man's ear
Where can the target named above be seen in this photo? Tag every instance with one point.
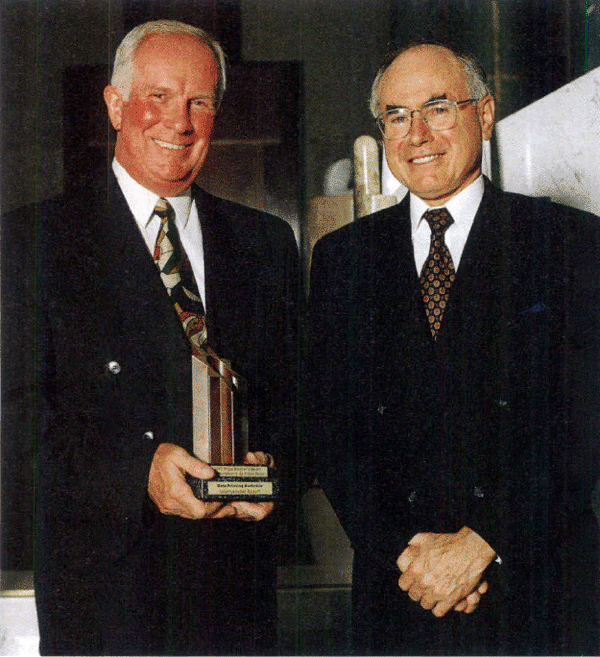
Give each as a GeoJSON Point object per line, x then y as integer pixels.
{"type": "Point", "coordinates": [486, 109]}
{"type": "Point", "coordinates": [114, 104]}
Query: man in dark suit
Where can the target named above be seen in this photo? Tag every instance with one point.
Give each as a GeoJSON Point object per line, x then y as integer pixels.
{"type": "Point", "coordinates": [128, 561]}
{"type": "Point", "coordinates": [454, 386]}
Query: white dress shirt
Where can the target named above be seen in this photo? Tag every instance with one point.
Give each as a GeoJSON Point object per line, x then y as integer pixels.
{"type": "Point", "coordinates": [463, 208]}
{"type": "Point", "coordinates": [142, 202]}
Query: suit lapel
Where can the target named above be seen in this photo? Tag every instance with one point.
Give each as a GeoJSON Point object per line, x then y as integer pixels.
{"type": "Point", "coordinates": [129, 268]}
{"type": "Point", "coordinates": [230, 273]}
{"type": "Point", "coordinates": [390, 264]}
{"type": "Point", "coordinates": [479, 294]}
{"type": "Point", "coordinates": [406, 308]}
{"type": "Point", "coordinates": [395, 306]}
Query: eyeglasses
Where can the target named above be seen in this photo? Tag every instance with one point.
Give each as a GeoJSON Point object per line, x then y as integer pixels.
{"type": "Point", "coordinates": [436, 114]}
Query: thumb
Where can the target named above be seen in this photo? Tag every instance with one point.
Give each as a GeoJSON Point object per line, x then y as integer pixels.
{"type": "Point", "coordinates": [198, 468]}
{"type": "Point", "coordinates": [419, 539]}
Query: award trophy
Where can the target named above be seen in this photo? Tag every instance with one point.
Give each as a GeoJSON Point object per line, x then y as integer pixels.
{"type": "Point", "coordinates": [220, 425]}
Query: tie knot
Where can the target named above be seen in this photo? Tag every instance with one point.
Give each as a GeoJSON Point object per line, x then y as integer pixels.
{"type": "Point", "coordinates": [439, 220]}
{"type": "Point", "coordinates": [164, 209]}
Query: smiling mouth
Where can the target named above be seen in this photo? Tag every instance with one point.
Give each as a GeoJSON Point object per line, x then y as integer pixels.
{"type": "Point", "coordinates": [166, 144]}
{"type": "Point", "coordinates": [425, 159]}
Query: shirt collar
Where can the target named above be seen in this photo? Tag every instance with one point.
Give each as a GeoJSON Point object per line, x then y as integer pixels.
{"type": "Point", "coordinates": [142, 202]}
{"type": "Point", "coordinates": [463, 207]}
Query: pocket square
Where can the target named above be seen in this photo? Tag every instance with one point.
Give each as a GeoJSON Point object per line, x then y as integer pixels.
{"type": "Point", "coordinates": [539, 307]}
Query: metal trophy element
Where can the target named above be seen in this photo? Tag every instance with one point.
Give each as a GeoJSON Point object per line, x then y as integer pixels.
{"type": "Point", "coordinates": [220, 426]}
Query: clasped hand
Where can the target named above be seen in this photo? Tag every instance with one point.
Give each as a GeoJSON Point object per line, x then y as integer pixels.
{"type": "Point", "coordinates": [444, 571]}
{"type": "Point", "coordinates": [170, 492]}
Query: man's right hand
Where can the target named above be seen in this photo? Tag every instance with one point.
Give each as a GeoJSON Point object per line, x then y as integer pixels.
{"type": "Point", "coordinates": [468, 604]}
{"type": "Point", "coordinates": [169, 490]}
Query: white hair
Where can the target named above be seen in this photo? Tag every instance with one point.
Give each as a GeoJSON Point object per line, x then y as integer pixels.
{"type": "Point", "coordinates": [122, 75]}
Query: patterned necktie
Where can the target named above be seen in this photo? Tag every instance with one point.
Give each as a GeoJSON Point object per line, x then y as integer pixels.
{"type": "Point", "coordinates": [177, 275]}
{"type": "Point", "coordinates": [438, 272]}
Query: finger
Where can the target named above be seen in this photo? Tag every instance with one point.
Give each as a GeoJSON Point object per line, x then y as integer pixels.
{"type": "Point", "coordinates": [253, 458]}
{"type": "Point", "coordinates": [472, 600]}
{"type": "Point", "coordinates": [196, 467]}
{"type": "Point", "coordinates": [191, 507]}
{"type": "Point", "coordinates": [259, 458]}
{"type": "Point", "coordinates": [442, 608]}
{"type": "Point", "coordinates": [471, 608]}
{"type": "Point", "coordinates": [406, 580]}
{"type": "Point", "coordinates": [427, 601]}
{"type": "Point", "coordinates": [413, 595]}
{"type": "Point", "coordinates": [252, 511]}
{"type": "Point", "coordinates": [416, 593]}
{"type": "Point", "coordinates": [226, 511]}
{"type": "Point", "coordinates": [406, 558]}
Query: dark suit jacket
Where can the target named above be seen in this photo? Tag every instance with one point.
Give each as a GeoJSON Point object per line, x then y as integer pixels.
{"type": "Point", "coordinates": [494, 427]}
{"type": "Point", "coordinates": [114, 576]}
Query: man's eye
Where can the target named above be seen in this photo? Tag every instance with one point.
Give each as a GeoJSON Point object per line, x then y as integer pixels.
{"type": "Point", "coordinates": [439, 110]}
{"type": "Point", "coordinates": [397, 118]}
{"type": "Point", "coordinates": [159, 96]}
{"type": "Point", "coordinates": [203, 104]}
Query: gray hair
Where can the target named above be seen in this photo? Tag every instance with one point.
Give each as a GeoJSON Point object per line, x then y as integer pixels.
{"type": "Point", "coordinates": [475, 76]}
{"type": "Point", "coordinates": [122, 75]}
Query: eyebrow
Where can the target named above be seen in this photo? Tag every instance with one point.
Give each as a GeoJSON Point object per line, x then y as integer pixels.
{"type": "Point", "coordinates": [389, 108]}
{"type": "Point", "coordinates": [157, 87]}
{"type": "Point", "coordinates": [210, 97]}
{"type": "Point", "coordinates": [166, 89]}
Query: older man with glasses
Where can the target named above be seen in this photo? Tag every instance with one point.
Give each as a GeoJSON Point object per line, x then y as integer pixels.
{"type": "Point", "coordinates": [454, 384]}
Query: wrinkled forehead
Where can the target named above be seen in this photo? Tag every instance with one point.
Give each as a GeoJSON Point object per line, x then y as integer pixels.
{"type": "Point", "coordinates": [421, 74]}
{"type": "Point", "coordinates": [163, 52]}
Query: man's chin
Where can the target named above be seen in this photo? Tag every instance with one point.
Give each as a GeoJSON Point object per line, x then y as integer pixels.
{"type": "Point", "coordinates": [169, 186]}
{"type": "Point", "coordinates": [174, 177]}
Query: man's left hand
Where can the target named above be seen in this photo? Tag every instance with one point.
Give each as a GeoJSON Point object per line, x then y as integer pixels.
{"type": "Point", "coordinates": [254, 511]}
{"type": "Point", "coordinates": [440, 570]}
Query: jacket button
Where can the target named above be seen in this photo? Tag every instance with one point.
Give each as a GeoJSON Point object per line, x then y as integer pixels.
{"type": "Point", "coordinates": [114, 367]}
{"type": "Point", "coordinates": [412, 497]}
{"type": "Point", "coordinates": [477, 492]}
{"type": "Point", "coordinates": [149, 435]}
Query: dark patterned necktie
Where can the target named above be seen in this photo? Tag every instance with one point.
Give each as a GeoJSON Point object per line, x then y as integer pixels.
{"type": "Point", "coordinates": [438, 272]}
{"type": "Point", "coordinates": [177, 275]}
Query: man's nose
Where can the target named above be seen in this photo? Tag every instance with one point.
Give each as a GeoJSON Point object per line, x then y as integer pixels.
{"type": "Point", "coordinates": [177, 117]}
{"type": "Point", "coordinates": [419, 130]}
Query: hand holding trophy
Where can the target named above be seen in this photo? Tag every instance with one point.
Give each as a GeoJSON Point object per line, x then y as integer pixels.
{"type": "Point", "coordinates": [220, 426]}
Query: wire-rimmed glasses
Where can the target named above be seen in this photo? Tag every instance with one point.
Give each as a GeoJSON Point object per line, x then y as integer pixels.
{"type": "Point", "coordinates": [441, 114]}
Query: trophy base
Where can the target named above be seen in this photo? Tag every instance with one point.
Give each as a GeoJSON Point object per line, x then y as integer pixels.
{"type": "Point", "coordinates": [250, 483]}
